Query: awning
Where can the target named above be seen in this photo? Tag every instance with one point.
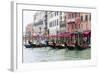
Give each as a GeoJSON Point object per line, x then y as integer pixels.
{"type": "Point", "coordinates": [71, 22]}
{"type": "Point", "coordinates": [60, 36]}
{"type": "Point", "coordinates": [67, 35]}
{"type": "Point", "coordinates": [76, 33]}
{"type": "Point", "coordinates": [64, 35]}
{"type": "Point", "coordinates": [52, 36]}
{"type": "Point", "coordinates": [86, 33]}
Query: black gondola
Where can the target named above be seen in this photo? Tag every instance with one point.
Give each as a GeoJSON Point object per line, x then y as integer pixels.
{"type": "Point", "coordinates": [28, 46]}
{"type": "Point", "coordinates": [71, 47]}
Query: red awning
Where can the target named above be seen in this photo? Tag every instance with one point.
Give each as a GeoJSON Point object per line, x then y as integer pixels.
{"type": "Point", "coordinates": [71, 22]}
{"type": "Point", "coordinates": [61, 35]}
{"type": "Point", "coordinates": [66, 34]}
{"type": "Point", "coordinates": [86, 33]}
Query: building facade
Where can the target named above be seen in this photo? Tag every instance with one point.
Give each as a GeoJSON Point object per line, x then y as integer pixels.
{"type": "Point", "coordinates": [72, 21]}
{"type": "Point", "coordinates": [77, 23]}
{"type": "Point", "coordinates": [85, 21]}
{"type": "Point", "coordinates": [62, 22]}
{"type": "Point", "coordinates": [86, 26]}
{"type": "Point", "coordinates": [51, 24]}
{"type": "Point", "coordinates": [29, 32]}
{"type": "Point", "coordinates": [40, 24]}
{"type": "Point", "coordinates": [54, 24]}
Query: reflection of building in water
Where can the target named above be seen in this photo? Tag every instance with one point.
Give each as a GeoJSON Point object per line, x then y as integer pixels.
{"type": "Point", "coordinates": [40, 24]}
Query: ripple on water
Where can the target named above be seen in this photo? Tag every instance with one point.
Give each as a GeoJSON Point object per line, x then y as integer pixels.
{"type": "Point", "coordinates": [49, 54]}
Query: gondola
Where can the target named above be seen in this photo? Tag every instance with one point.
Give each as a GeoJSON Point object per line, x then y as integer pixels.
{"type": "Point", "coordinates": [55, 46]}
{"type": "Point", "coordinates": [35, 45]}
{"type": "Point", "coordinates": [28, 46]}
{"type": "Point", "coordinates": [70, 47]}
{"type": "Point", "coordinates": [60, 47]}
{"type": "Point", "coordinates": [82, 47]}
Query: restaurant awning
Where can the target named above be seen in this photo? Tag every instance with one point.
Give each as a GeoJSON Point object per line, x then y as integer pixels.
{"type": "Point", "coordinates": [71, 22]}
{"type": "Point", "coordinates": [86, 33]}
{"type": "Point", "coordinates": [52, 36]}
{"type": "Point", "coordinates": [60, 35]}
{"type": "Point", "coordinates": [67, 35]}
{"type": "Point", "coordinates": [64, 35]}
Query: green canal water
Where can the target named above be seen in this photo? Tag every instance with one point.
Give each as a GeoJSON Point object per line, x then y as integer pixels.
{"type": "Point", "coordinates": [47, 54]}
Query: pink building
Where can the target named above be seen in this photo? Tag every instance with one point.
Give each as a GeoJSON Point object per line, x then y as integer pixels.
{"type": "Point", "coordinates": [78, 24]}
{"type": "Point", "coordinates": [86, 26]}
{"type": "Point", "coordinates": [72, 21]}
{"type": "Point", "coordinates": [85, 21]}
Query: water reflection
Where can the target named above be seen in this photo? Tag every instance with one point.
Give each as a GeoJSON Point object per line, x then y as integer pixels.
{"type": "Point", "coordinates": [49, 54]}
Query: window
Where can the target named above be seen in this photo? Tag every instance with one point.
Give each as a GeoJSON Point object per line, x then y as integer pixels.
{"type": "Point", "coordinates": [57, 21]}
{"type": "Point", "coordinates": [81, 18]}
{"type": "Point", "coordinates": [78, 14]}
{"type": "Point", "coordinates": [72, 27]}
{"type": "Point", "coordinates": [54, 23]}
{"type": "Point", "coordinates": [75, 15]}
{"type": "Point", "coordinates": [60, 17]}
{"type": "Point", "coordinates": [50, 24]}
{"type": "Point", "coordinates": [72, 15]}
{"type": "Point", "coordinates": [86, 18]}
{"type": "Point", "coordinates": [51, 15]}
{"type": "Point", "coordinates": [90, 17]}
{"type": "Point", "coordinates": [69, 16]}
{"type": "Point", "coordinates": [60, 13]}
{"type": "Point", "coordinates": [57, 12]}
{"type": "Point", "coordinates": [64, 17]}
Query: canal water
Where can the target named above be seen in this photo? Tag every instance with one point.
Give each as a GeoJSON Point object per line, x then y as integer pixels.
{"type": "Point", "coordinates": [47, 54]}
